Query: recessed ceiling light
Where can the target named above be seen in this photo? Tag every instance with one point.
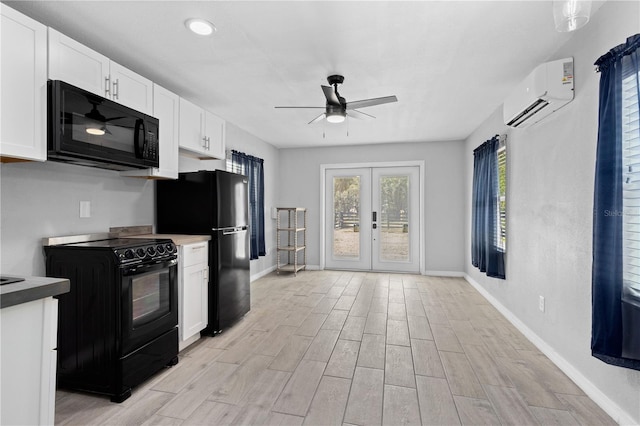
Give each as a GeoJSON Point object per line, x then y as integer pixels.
{"type": "Point", "coordinates": [200, 26]}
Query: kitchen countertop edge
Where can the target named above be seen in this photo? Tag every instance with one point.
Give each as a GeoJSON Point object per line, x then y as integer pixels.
{"type": "Point", "coordinates": [178, 239]}
{"type": "Point", "coordinates": [32, 288]}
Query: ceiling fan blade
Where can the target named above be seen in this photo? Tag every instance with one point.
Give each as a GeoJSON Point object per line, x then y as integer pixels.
{"type": "Point", "coordinates": [359, 115]}
{"type": "Point", "coordinates": [318, 118]}
{"type": "Point", "coordinates": [371, 102]}
{"type": "Point", "coordinates": [331, 96]}
{"type": "Point", "coordinates": [299, 107]}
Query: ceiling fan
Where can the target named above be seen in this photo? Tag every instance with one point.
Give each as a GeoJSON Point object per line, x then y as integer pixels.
{"type": "Point", "coordinates": [337, 108]}
{"type": "Point", "coordinates": [96, 122]}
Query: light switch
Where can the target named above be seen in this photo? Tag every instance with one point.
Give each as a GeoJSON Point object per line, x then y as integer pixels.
{"type": "Point", "coordinates": [85, 209]}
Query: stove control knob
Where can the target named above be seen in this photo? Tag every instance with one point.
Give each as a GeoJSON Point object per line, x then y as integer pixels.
{"type": "Point", "coordinates": [170, 248]}
{"type": "Point", "coordinates": [140, 252]}
{"type": "Point", "coordinates": [151, 251]}
{"type": "Point", "coordinates": [128, 254]}
{"type": "Point", "coordinates": [160, 249]}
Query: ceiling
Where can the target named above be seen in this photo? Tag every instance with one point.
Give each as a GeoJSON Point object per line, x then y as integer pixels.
{"type": "Point", "coordinates": [451, 64]}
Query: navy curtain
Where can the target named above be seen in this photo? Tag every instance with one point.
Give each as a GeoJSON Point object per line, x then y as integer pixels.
{"type": "Point", "coordinates": [608, 325]}
{"type": "Point", "coordinates": [253, 168]}
{"type": "Point", "coordinates": [485, 229]}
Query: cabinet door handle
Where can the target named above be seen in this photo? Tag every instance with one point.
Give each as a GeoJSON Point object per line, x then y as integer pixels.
{"type": "Point", "coordinates": [116, 89]}
{"type": "Point", "coordinates": [208, 143]}
{"type": "Point", "coordinates": [204, 144]}
{"type": "Point", "coordinates": [107, 87]}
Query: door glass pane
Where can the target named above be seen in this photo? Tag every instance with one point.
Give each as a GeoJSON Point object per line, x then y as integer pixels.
{"type": "Point", "coordinates": [394, 222]}
{"type": "Point", "coordinates": [346, 209]}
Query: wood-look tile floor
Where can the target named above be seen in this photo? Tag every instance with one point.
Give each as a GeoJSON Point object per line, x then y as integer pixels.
{"type": "Point", "coordinates": [341, 348]}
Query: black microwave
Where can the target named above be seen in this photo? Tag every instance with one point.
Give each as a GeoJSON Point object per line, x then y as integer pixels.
{"type": "Point", "coordinates": [89, 130]}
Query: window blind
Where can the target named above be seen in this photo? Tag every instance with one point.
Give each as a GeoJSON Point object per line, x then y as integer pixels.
{"type": "Point", "coordinates": [502, 198]}
{"type": "Point", "coordinates": [631, 184]}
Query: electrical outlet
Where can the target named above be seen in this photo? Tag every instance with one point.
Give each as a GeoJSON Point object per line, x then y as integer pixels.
{"type": "Point", "coordinates": [541, 303]}
{"type": "Point", "coordinates": [85, 209]}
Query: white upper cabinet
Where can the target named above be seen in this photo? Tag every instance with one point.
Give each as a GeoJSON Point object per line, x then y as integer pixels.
{"type": "Point", "coordinates": [201, 132]}
{"type": "Point", "coordinates": [76, 64]}
{"type": "Point", "coordinates": [85, 68]}
{"type": "Point", "coordinates": [23, 87]}
{"type": "Point", "coordinates": [131, 89]}
{"type": "Point", "coordinates": [191, 126]}
{"type": "Point", "coordinates": [166, 108]}
{"type": "Point", "coordinates": [215, 131]}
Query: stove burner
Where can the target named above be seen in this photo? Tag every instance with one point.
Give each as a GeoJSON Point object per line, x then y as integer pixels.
{"type": "Point", "coordinates": [131, 250]}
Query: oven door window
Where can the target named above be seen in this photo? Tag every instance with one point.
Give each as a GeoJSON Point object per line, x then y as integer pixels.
{"type": "Point", "coordinates": [150, 305]}
{"type": "Point", "coordinates": [150, 297]}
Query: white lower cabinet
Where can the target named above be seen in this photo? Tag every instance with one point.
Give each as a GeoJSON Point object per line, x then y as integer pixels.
{"type": "Point", "coordinates": [193, 283]}
{"type": "Point", "coordinates": [28, 362]}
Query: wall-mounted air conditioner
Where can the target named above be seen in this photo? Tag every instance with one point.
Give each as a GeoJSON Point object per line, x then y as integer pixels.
{"type": "Point", "coordinates": [548, 88]}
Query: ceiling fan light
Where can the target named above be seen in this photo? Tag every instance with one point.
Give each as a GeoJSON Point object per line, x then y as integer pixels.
{"type": "Point", "coordinates": [97, 131]}
{"type": "Point", "coordinates": [200, 26]}
{"type": "Point", "coordinates": [335, 117]}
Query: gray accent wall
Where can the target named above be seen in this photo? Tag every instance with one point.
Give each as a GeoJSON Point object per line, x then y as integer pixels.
{"type": "Point", "coordinates": [549, 218]}
{"type": "Point", "coordinates": [443, 192]}
{"type": "Point", "coordinates": [40, 200]}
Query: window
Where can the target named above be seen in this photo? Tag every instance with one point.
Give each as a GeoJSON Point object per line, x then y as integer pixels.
{"type": "Point", "coordinates": [615, 282]}
{"type": "Point", "coordinates": [253, 168]}
{"type": "Point", "coordinates": [502, 196]}
{"type": "Point", "coordinates": [488, 208]}
{"type": "Point", "coordinates": [631, 185]}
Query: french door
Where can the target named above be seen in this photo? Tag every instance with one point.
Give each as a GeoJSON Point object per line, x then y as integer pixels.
{"type": "Point", "coordinates": [372, 219]}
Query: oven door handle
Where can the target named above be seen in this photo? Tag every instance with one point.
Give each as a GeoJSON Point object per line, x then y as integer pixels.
{"type": "Point", "coordinates": [146, 267]}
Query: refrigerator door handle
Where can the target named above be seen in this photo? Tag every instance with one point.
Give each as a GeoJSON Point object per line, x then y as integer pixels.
{"type": "Point", "coordinates": [230, 231]}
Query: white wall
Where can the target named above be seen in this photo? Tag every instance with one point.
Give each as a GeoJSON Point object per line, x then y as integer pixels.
{"type": "Point", "coordinates": [549, 209]}
{"type": "Point", "coordinates": [444, 192]}
{"type": "Point", "coordinates": [40, 200]}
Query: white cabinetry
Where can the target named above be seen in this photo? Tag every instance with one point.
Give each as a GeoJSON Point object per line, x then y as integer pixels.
{"type": "Point", "coordinates": [166, 108]}
{"type": "Point", "coordinates": [23, 87]}
{"type": "Point", "coordinates": [28, 362]}
{"type": "Point", "coordinates": [87, 69]}
{"type": "Point", "coordinates": [193, 282]}
{"type": "Point", "coordinates": [201, 132]}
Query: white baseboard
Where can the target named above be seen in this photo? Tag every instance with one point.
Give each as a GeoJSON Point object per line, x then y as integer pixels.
{"type": "Point", "coordinates": [263, 273]}
{"type": "Point", "coordinates": [313, 267]}
{"type": "Point", "coordinates": [273, 268]}
{"type": "Point", "coordinates": [610, 407]}
{"type": "Point", "coordinates": [444, 273]}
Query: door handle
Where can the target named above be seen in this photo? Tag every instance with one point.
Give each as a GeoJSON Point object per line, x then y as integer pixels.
{"type": "Point", "coordinates": [107, 87]}
{"type": "Point", "coordinates": [374, 216]}
{"type": "Point", "coordinates": [116, 89]}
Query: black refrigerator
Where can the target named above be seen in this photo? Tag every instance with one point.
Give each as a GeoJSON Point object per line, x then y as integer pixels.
{"type": "Point", "coordinates": [213, 203]}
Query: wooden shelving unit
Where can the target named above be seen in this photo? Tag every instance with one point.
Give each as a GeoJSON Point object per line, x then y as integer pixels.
{"type": "Point", "coordinates": [291, 239]}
